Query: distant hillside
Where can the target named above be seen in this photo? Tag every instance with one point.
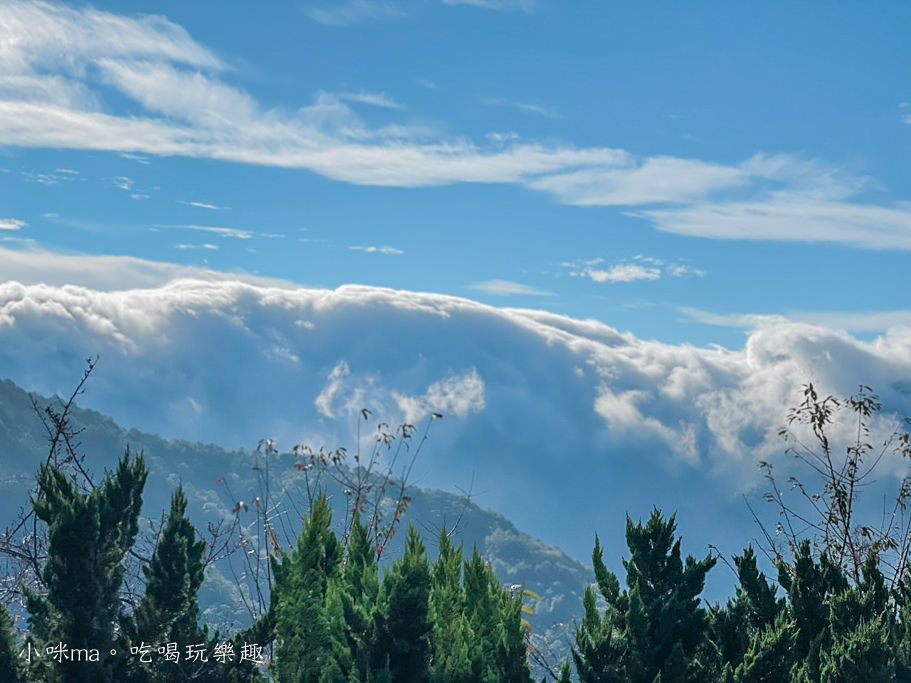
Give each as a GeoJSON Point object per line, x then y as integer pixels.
{"type": "Point", "coordinates": [516, 557]}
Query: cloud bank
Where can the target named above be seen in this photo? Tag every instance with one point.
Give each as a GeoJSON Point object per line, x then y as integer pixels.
{"type": "Point", "coordinates": [547, 403]}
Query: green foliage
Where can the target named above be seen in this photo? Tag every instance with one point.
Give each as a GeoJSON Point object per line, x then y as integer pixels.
{"type": "Point", "coordinates": [10, 669]}
{"type": "Point", "coordinates": [769, 657]}
{"type": "Point", "coordinates": [169, 611]}
{"type": "Point", "coordinates": [304, 644]}
{"type": "Point", "coordinates": [404, 634]}
{"type": "Point", "coordinates": [88, 533]}
{"type": "Point", "coordinates": [653, 628]}
{"type": "Point", "coordinates": [455, 655]}
{"type": "Point", "coordinates": [750, 613]}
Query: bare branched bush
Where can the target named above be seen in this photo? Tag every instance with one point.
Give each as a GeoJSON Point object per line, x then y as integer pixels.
{"type": "Point", "coordinates": [820, 501]}
{"type": "Point", "coordinates": [375, 483]}
{"type": "Point", "coordinates": [23, 543]}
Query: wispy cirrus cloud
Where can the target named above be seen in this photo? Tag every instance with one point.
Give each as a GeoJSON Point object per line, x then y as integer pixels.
{"type": "Point", "coordinates": [187, 108]}
{"type": "Point", "coordinates": [33, 265]}
{"type": "Point", "coordinates": [352, 11]}
{"type": "Point", "coordinates": [222, 231]}
{"type": "Point", "coordinates": [202, 205]}
{"type": "Point", "coordinates": [524, 5]}
{"type": "Point", "coordinates": [122, 183]}
{"type": "Point", "coordinates": [529, 107]}
{"type": "Point", "coordinates": [374, 99]}
{"type": "Point", "coordinates": [508, 288]}
{"type": "Point", "coordinates": [792, 217]}
{"type": "Point", "coordinates": [852, 321]}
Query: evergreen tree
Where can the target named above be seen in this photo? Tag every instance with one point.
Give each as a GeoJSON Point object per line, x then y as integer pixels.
{"type": "Point", "coordinates": [512, 651]}
{"type": "Point", "coordinates": [653, 628]}
{"type": "Point", "coordinates": [169, 610]}
{"type": "Point", "coordinates": [452, 640]}
{"type": "Point", "coordinates": [751, 612]}
{"type": "Point", "coordinates": [769, 657]}
{"type": "Point", "coordinates": [404, 635]}
{"type": "Point", "coordinates": [88, 536]}
{"type": "Point", "coordinates": [482, 615]}
{"type": "Point", "coordinates": [305, 649]}
{"type": "Point", "coordinates": [354, 604]}
{"type": "Point", "coordinates": [10, 669]}
{"type": "Point", "coordinates": [862, 631]}
{"type": "Point", "coordinates": [809, 586]}
{"type": "Point", "coordinates": [862, 655]}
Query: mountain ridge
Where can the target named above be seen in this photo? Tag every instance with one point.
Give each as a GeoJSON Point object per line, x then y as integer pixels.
{"type": "Point", "coordinates": [516, 557]}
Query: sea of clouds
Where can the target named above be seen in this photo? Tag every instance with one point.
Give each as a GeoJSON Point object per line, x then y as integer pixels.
{"type": "Point", "coordinates": [562, 424]}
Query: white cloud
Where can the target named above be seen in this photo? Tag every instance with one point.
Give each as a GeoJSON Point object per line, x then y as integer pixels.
{"type": "Point", "coordinates": [647, 181]}
{"type": "Point", "coordinates": [352, 11]}
{"type": "Point", "coordinates": [371, 249]}
{"type": "Point", "coordinates": [536, 402]}
{"type": "Point", "coordinates": [11, 224]}
{"type": "Point", "coordinates": [508, 288]}
{"type": "Point", "coordinates": [186, 108]}
{"type": "Point", "coordinates": [46, 178]}
{"type": "Point", "coordinates": [136, 157]}
{"type": "Point", "coordinates": [516, 104]}
{"type": "Point", "coordinates": [35, 266]}
{"type": "Point", "coordinates": [334, 383]}
{"type": "Point", "coordinates": [853, 321]}
{"type": "Point", "coordinates": [525, 5]}
{"type": "Point", "coordinates": [624, 272]}
{"type": "Point", "coordinates": [795, 217]}
{"type": "Point", "coordinates": [502, 137]}
{"type": "Point", "coordinates": [122, 183]}
{"type": "Point", "coordinates": [370, 98]}
{"type": "Point", "coordinates": [234, 233]}
{"type": "Point", "coordinates": [460, 395]}
{"type": "Point", "coordinates": [205, 245]}
{"type": "Point", "coordinates": [203, 205]}
{"type": "Point", "coordinates": [638, 268]}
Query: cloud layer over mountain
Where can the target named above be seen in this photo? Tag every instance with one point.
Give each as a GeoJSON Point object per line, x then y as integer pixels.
{"type": "Point", "coordinates": [539, 407]}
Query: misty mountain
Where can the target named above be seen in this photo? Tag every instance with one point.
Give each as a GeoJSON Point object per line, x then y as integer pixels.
{"type": "Point", "coordinates": [206, 471]}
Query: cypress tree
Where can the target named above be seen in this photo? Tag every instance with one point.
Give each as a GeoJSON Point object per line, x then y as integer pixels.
{"type": "Point", "coordinates": [88, 536]}
{"type": "Point", "coordinates": [601, 651]}
{"type": "Point", "coordinates": [10, 669]}
{"type": "Point", "coordinates": [653, 628]}
{"type": "Point", "coordinates": [404, 635]}
{"type": "Point", "coordinates": [481, 613]}
{"type": "Point", "coordinates": [512, 651]}
{"type": "Point", "coordinates": [809, 585]}
{"type": "Point", "coordinates": [354, 605]}
{"type": "Point", "coordinates": [452, 641]}
{"type": "Point", "coordinates": [305, 650]}
{"type": "Point", "coordinates": [169, 609]}
{"type": "Point", "coordinates": [769, 657]}
{"type": "Point", "coordinates": [862, 631]}
{"type": "Point", "coordinates": [753, 609]}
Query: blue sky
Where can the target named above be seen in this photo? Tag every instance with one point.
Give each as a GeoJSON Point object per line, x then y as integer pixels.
{"type": "Point", "coordinates": [609, 242]}
{"type": "Point", "coordinates": [673, 171]}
